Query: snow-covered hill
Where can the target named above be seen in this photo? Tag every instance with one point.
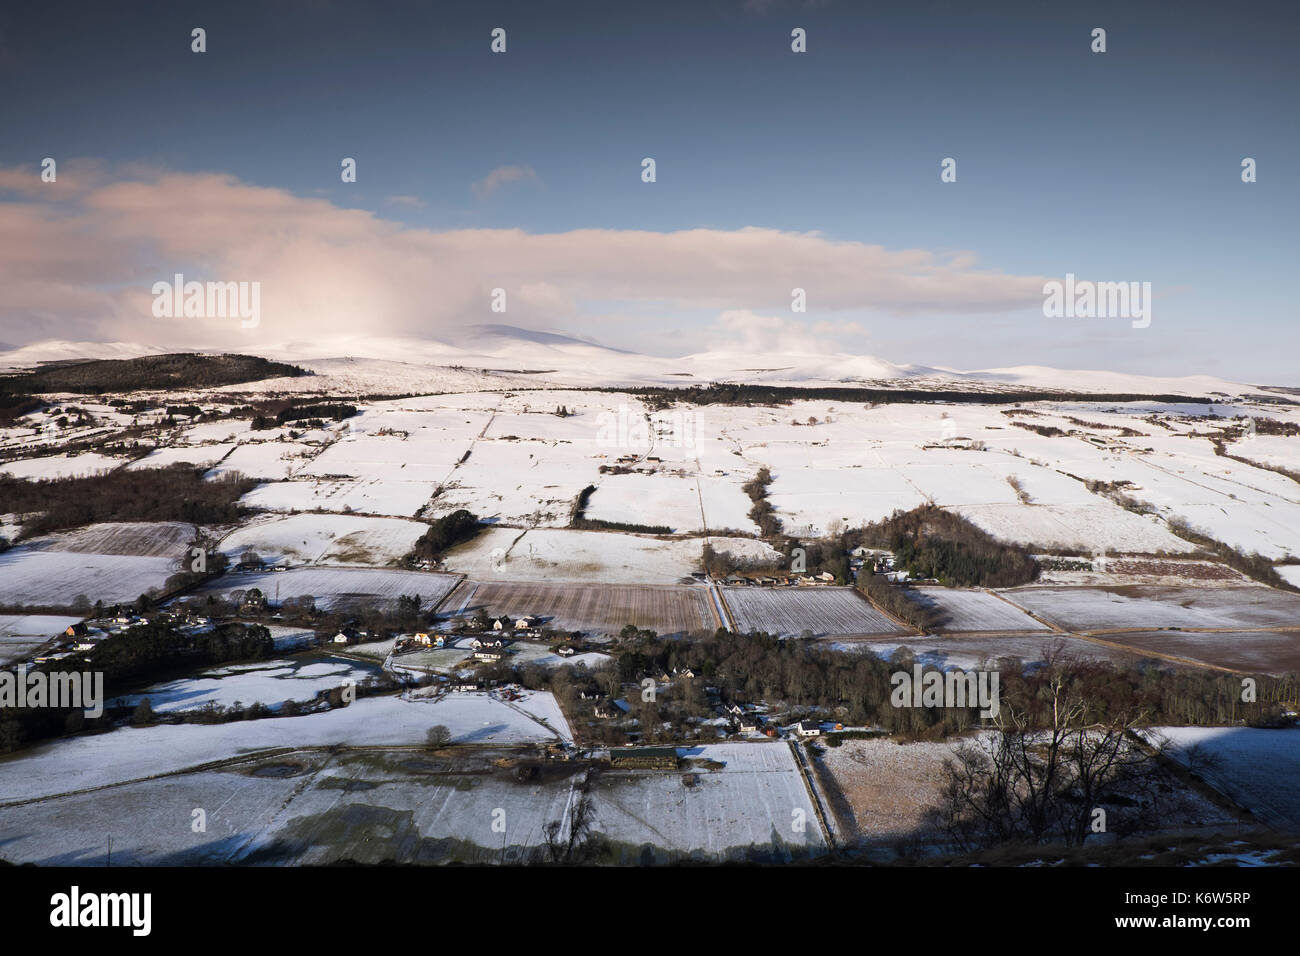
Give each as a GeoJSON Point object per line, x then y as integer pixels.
{"type": "Point", "coordinates": [487, 356]}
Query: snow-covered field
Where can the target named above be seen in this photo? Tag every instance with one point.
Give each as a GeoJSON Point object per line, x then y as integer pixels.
{"type": "Point", "coordinates": [592, 608]}
{"type": "Point", "coordinates": [1085, 528]}
{"type": "Point", "coordinates": [334, 587]}
{"type": "Point", "coordinates": [547, 554]}
{"type": "Point", "coordinates": [200, 456]}
{"type": "Point", "coordinates": [825, 611]}
{"type": "Point", "coordinates": [60, 466]}
{"type": "Point", "coordinates": [755, 803]}
{"type": "Point", "coordinates": [965, 652]}
{"type": "Point", "coordinates": [682, 503]}
{"type": "Point", "coordinates": [964, 610]}
{"type": "Point", "coordinates": [161, 539]}
{"type": "Point", "coordinates": [271, 682]}
{"type": "Point", "coordinates": [22, 634]}
{"type": "Point", "coordinates": [310, 808]}
{"type": "Point", "coordinates": [1228, 608]}
{"type": "Point", "coordinates": [325, 539]}
{"type": "Point", "coordinates": [34, 578]}
{"type": "Point", "coordinates": [1248, 652]}
{"type": "Point", "coordinates": [509, 458]}
{"type": "Point", "coordinates": [130, 753]}
{"type": "Point", "coordinates": [519, 482]}
{"type": "Point", "coordinates": [376, 496]}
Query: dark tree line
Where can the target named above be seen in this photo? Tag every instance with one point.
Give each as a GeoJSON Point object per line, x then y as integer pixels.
{"type": "Point", "coordinates": [445, 533]}
{"type": "Point", "coordinates": [174, 493]}
{"type": "Point", "coordinates": [578, 517]}
{"type": "Point", "coordinates": [176, 370]}
{"type": "Point", "coordinates": [762, 513]}
{"type": "Point", "coordinates": [752, 667]}
{"type": "Point", "coordinates": [727, 393]}
{"type": "Point", "coordinates": [138, 656]}
{"type": "Point", "coordinates": [930, 542]}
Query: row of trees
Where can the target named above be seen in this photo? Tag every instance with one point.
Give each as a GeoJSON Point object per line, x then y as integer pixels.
{"type": "Point", "coordinates": [175, 493]}
{"type": "Point", "coordinates": [856, 687]}
{"type": "Point", "coordinates": [762, 513]}
{"type": "Point", "coordinates": [895, 600]}
{"type": "Point", "coordinates": [731, 393]}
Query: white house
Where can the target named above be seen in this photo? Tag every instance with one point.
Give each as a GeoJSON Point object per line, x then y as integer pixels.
{"type": "Point", "coordinates": [809, 728]}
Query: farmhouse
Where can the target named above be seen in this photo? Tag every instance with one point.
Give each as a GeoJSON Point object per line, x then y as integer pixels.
{"type": "Point", "coordinates": [808, 728]}
{"type": "Point", "coordinates": [490, 654]}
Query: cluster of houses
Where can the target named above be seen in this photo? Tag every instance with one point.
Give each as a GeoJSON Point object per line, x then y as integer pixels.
{"type": "Point", "coordinates": [83, 636]}
{"type": "Point", "coordinates": [491, 644]}
{"type": "Point", "coordinates": [744, 719]}
{"type": "Point", "coordinates": [879, 561]}
{"type": "Point", "coordinates": [776, 579]}
{"type": "Point", "coordinates": [257, 566]}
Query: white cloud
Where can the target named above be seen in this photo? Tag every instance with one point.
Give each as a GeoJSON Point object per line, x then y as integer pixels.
{"type": "Point", "coordinates": [79, 263]}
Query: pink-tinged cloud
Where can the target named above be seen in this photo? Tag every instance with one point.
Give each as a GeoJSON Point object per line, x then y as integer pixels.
{"type": "Point", "coordinates": [501, 176]}
{"type": "Point", "coordinates": [79, 262]}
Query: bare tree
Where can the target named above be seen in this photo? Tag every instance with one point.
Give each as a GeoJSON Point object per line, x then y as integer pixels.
{"type": "Point", "coordinates": [572, 840]}
{"type": "Point", "coordinates": [1040, 781]}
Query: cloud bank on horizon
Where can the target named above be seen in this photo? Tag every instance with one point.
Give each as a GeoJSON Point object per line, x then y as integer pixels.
{"type": "Point", "coordinates": [79, 257]}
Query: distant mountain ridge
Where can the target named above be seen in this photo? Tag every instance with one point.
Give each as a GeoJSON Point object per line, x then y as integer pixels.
{"type": "Point", "coordinates": [538, 359]}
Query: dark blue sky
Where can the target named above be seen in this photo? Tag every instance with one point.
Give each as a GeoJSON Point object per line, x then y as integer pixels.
{"type": "Point", "coordinates": [1122, 166]}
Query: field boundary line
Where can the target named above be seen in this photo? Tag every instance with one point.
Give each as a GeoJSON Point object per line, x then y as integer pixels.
{"type": "Point", "coordinates": [196, 768]}
{"type": "Point", "coordinates": [1158, 655]}
{"type": "Point", "coordinates": [1028, 613]}
{"type": "Point", "coordinates": [806, 774]}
